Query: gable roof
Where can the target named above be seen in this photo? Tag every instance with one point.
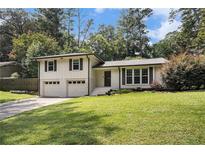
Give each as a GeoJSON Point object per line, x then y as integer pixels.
{"type": "Point", "coordinates": [7, 63]}
{"type": "Point", "coordinates": [141, 62]}
{"type": "Point", "coordinates": [69, 55]}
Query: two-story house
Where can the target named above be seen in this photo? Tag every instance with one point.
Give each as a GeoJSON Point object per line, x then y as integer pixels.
{"type": "Point", "coordinates": [80, 74]}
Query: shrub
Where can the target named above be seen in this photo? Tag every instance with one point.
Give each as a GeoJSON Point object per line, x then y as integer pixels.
{"type": "Point", "coordinates": [156, 86]}
{"type": "Point", "coordinates": [184, 72]}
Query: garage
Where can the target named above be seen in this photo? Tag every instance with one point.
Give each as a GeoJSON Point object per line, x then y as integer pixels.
{"type": "Point", "coordinates": [77, 88]}
{"type": "Point", "coordinates": [51, 88]}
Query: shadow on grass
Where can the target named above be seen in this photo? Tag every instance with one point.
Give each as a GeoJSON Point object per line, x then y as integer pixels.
{"type": "Point", "coordinates": [6, 100]}
{"type": "Point", "coordinates": [58, 124]}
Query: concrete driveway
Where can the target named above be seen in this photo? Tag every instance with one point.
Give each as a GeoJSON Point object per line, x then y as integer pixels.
{"type": "Point", "coordinates": [16, 107]}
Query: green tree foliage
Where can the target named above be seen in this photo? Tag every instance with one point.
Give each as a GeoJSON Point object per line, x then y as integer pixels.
{"type": "Point", "coordinates": [192, 27]}
{"type": "Point", "coordinates": [26, 47]}
{"type": "Point", "coordinates": [51, 21]}
{"type": "Point", "coordinates": [108, 43]}
{"type": "Point", "coordinates": [132, 24]}
{"type": "Point", "coordinates": [184, 72]}
{"type": "Point", "coordinates": [14, 22]}
{"type": "Point", "coordinates": [168, 46]}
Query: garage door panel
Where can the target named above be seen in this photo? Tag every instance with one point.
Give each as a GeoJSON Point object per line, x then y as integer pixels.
{"type": "Point", "coordinates": [51, 89]}
{"type": "Point", "coordinates": [77, 88]}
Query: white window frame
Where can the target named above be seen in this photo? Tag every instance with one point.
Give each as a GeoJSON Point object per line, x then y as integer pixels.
{"type": "Point", "coordinates": [134, 75]}
{"type": "Point", "coordinates": [48, 66]}
{"type": "Point", "coordinates": [133, 68]}
{"type": "Point", "coordinates": [78, 65]}
{"type": "Point", "coordinates": [126, 76]}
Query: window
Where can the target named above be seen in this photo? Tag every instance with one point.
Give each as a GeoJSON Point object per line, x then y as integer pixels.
{"type": "Point", "coordinates": [58, 82]}
{"type": "Point", "coordinates": [50, 82]}
{"type": "Point", "coordinates": [137, 76]}
{"type": "Point", "coordinates": [76, 64]}
{"type": "Point", "coordinates": [50, 66]}
{"type": "Point", "coordinates": [129, 76]}
{"type": "Point", "coordinates": [83, 82]}
{"type": "Point", "coordinates": [69, 82]}
{"type": "Point", "coordinates": [74, 82]}
{"type": "Point", "coordinates": [78, 82]}
{"type": "Point", "coordinates": [145, 76]}
{"type": "Point", "coordinates": [46, 82]}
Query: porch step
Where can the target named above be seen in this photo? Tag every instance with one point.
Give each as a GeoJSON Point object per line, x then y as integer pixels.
{"type": "Point", "coordinates": [100, 91]}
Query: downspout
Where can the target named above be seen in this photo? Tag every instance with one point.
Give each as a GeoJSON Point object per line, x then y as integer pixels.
{"type": "Point", "coordinates": [119, 77]}
{"type": "Point", "coordinates": [38, 78]}
{"type": "Point", "coordinates": [88, 75]}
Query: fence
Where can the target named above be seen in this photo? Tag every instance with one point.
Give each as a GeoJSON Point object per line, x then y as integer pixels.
{"type": "Point", "coordinates": [30, 84]}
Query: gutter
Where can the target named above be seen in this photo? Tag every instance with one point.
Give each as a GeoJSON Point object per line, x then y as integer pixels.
{"type": "Point", "coordinates": [38, 78]}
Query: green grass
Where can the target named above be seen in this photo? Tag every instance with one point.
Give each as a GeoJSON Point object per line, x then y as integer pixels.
{"type": "Point", "coordinates": [7, 96]}
{"type": "Point", "coordinates": [134, 118]}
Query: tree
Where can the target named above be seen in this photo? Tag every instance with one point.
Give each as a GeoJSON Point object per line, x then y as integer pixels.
{"type": "Point", "coordinates": [171, 44]}
{"type": "Point", "coordinates": [184, 72]}
{"type": "Point", "coordinates": [14, 22]}
{"type": "Point", "coordinates": [132, 24]}
{"type": "Point", "coordinates": [108, 43]}
{"type": "Point", "coordinates": [192, 20]}
{"type": "Point", "coordinates": [83, 28]}
{"type": "Point", "coordinates": [26, 47]}
{"type": "Point", "coordinates": [51, 21]}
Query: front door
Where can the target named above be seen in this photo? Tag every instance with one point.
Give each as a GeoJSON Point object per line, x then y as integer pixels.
{"type": "Point", "coordinates": [107, 79]}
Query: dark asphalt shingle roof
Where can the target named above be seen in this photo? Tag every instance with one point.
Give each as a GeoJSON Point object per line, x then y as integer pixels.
{"type": "Point", "coordinates": [153, 61]}
{"type": "Point", "coordinates": [7, 63]}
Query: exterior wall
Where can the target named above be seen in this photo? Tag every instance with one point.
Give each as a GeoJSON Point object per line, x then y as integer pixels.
{"type": "Point", "coordinates": [93, 62]}
{"type": "Point", "coordinates": [99, 73]}
{"type": "Point", "coordinates": [63, 75]}
{"type": "Point", "coordinates": [6, 71]}
{"type": "Point", "coordinates": [157, 75]}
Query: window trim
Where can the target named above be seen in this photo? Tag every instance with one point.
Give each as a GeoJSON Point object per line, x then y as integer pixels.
{"type": "Point", "coordinates": [133, 76]}
{"type": "Point", "coordinates": [48, 65]}
{"type": "Point", "coordinates": [78, 65]}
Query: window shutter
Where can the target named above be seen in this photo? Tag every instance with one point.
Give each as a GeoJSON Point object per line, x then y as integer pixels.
{"type": "Point", "coordinates": [81, 63]}
{"type": "Point", "coordinates": [55, 65]}
{"type": "Point", "coordinates": [70, 64]}
{"type": "Point", "coordinates": [45, 66]}
{"type": "Point", "coordinates": [123, 76]}
{"type": "Point", "coordinates": [150, 75]}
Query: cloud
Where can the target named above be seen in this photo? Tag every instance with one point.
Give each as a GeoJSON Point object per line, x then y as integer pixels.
{"type": "Point", "coordinates": [161, 12]}
{"type": "Point", "coordinates": [165, 26]}
{"type": "Point", "coordinates": [99, 10]}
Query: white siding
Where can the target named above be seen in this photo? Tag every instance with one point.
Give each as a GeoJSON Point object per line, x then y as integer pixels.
{"type": "Point", "coordinates": [63, 75]}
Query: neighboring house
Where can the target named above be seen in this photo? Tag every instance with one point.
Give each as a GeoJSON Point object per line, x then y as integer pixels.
{"type": "Point", "coordinates": [79, 74]}
{"type": "Point", "coordinates": [8, 68]}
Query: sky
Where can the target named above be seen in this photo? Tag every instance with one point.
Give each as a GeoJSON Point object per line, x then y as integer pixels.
{"type": "Point", "coordinates": [158, 24]}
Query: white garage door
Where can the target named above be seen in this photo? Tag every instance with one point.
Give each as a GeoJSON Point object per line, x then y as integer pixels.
{"type": "Point", "coordinates": [77, 88]}
{"type": "Point", "coordinates": [51, 88]}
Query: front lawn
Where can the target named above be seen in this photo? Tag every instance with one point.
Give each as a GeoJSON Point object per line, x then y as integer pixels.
{"type": "Point", "coordinates": [134, 118]}
{"type": "Point", "coordinates": [7, 96]}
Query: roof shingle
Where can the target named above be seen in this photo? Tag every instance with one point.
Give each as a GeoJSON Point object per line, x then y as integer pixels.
{"type": "Point", "coordinates": [153, 61]}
